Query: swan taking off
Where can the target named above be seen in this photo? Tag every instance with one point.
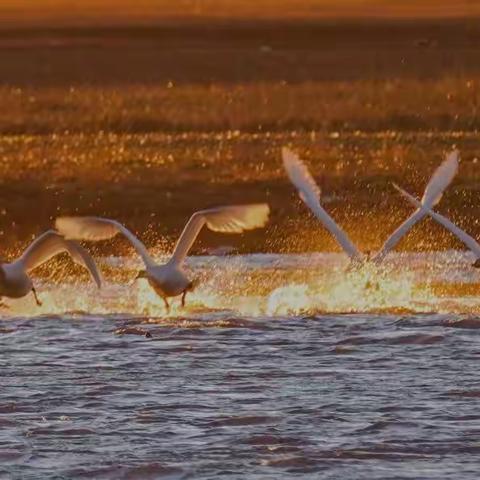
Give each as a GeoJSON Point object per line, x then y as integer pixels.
{"type": "Point", "coordinates": [309, 192]}
{"type": "Point", "coordinates": [440, 180]}
{"type": "Point", "coordinates": [169, 280]}
{"type": "Point", "coordinates": [14, 279]}
{"type": "Point", "coordinates": [464, 237]}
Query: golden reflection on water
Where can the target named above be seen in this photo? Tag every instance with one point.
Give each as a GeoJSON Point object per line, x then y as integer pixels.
{"type": "Point", "coordinates": [232, 288]}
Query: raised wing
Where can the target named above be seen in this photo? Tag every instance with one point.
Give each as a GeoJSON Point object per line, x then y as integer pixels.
{"type": "Point", "coordinates": [440, 180]}
{"type": "Point", "coordinates": [469, 241]}
{"type": "Point", "coordinates": [96, 228]}
{"type": "Point", "coordinates": [50, 244]}
{"type": "Point", "coordinates": [396, 236]}
{"type": "Point", "coordinates": [310, 194]}
{"type": "Point", "coordinates": [230, 219]}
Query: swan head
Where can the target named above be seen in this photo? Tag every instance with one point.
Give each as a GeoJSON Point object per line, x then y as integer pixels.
{"type": "Point", "coordinates": [476, 263]}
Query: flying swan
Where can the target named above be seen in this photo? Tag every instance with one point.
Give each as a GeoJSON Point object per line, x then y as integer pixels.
{"type": "Point", "coordinates": [464, 237]}
{"type": "Point", "coordinates": [310, 194]}
{"type": "Point", "coordinates": [440, 180]}
{"type": "Point", "coordinates": [15, 281]}
{"type": "Point", "coordinates": [169, 279]}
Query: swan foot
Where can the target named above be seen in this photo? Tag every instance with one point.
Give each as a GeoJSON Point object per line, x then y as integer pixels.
{"type": "Point", "coordinates": [39, 303]}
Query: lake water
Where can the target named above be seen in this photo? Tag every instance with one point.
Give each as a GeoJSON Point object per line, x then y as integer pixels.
{"type": "Point", "coordinates": [280, 366]}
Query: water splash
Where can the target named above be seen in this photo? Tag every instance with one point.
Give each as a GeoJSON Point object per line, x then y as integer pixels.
{"type": "Point", "coordinates": [259, 285]}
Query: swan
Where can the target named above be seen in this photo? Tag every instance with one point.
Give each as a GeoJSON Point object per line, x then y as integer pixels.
{"type": "Point", "coordinates": [169, 279]}
{"type": "Point", "coordinates": [440, 180]}
{"type": "Point", "coordinates": [15, 281]}
{"type": "Point", "coordinates": [310, 194]}
{"type": "Point", "coordinates": [463, 236]}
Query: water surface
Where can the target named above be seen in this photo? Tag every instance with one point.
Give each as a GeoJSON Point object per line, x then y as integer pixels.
{"type": "Point", "coordinates": [263, 375]}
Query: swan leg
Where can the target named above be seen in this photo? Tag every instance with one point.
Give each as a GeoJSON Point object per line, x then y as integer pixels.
{"type": "Point", "coordinates": [167, 306]}
{"type": "Point", "coordinates": [39, 303]}
{"type": "Point", "coordinates": [184, 294]}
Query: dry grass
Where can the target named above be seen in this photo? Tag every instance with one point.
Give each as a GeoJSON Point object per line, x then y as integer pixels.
{"type": "Point", "coordinates": [148, 130]}
{"type": "Point", "coordinates": [401, 105]}
{"type": "Point", "coordinates": [151, 180]}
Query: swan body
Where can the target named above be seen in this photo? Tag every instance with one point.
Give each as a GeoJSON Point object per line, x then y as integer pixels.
{"type": "Point", "coordinates": [169, 279]}
{"type": "Point", "coordinates": [15, 281]}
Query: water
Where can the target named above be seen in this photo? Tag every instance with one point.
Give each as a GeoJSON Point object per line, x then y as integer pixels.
{"type": "Point", "coordinates": [262, 376]}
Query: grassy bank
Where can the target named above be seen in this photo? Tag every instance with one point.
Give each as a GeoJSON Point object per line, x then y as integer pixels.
{"type": "Point", "coordinates": [450, 103]}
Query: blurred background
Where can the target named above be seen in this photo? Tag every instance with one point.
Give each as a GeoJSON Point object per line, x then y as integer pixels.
{"type": "Point", "coordinates": [107, 12]}
{"type": "Point", "coordinates": [148, 110]}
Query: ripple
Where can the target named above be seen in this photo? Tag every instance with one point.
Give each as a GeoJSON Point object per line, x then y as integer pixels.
{"type": "Point", "coordinates": [413, 339]}
{"type": "Point", "coordinates": [230, 394]}
{"type": "Point", "coordinates": [241, 421]}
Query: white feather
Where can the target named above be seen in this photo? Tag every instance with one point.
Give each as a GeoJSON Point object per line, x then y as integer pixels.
{"type": "Point", "coordinates": [469, 241]}
{"type": "Point", "coordinates": [441, 178]}
{"type": "Point", "coordinates": [229, 219]}
{"type": "Point", "coordinates": [96, 228]}
{"type": "Point", "coordinates": [50, 244]}
{"type": "Point", "coordinates": [310, 194]}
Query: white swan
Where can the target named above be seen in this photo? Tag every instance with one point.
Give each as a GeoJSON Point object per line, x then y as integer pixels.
{"type": "Point", "coordinates": [15, 281]}
{"type": "Point", "coordinates": [440, 180]}
{"type": "Point", "coordinates": [464, 237]}
{"type": "Point", "coordinates": [169, 280]}
{"type": "Point", "coordinates": [309, 192]}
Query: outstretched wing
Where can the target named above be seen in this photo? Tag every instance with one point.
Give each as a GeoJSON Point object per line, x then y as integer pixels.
{"type": "Point", "coordinates": [464, 237]}
{"type": "Point", "coordinates": [50, 244]}
{"type": "Point", "coordinates": [310, 193]}
{"type": "Point", "coordinates": [400, 231]}
{"type": "Point", "coordinates": [230, 219]}
{"type": "Point", "coordinates": [96, 228]}
{"type": "Point", "coordinates": [440, 180]}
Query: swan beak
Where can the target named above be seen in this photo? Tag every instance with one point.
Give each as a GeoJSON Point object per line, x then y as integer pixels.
{"type": "Point", "coordinates": [476, 263]}
{"type": "Point", "coordinates": [141, 274]}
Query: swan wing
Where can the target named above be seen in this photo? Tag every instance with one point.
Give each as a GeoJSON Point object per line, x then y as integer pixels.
{"type": "Point", "coordinates": [464, 237]}
{"type": "Point", "coordinates": [50, 244]}
{"type": "Point", "coordinates": [399, 232]}
{"type": "Point", "coordinates": [441, 179]}
{"type": "Point", "coordinates": [309, 192]}
{"type": "Point", "coordinates": [229, 219]}
{"type": "Point", "coordinates": [96, 228]}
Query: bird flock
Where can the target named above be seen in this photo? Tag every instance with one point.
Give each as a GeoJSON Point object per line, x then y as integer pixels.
{"type": "Point", "coordinates": [170, 280]}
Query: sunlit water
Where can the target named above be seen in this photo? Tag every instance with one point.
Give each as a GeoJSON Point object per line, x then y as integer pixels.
{"type": "Point", "coordinates": [280, 366]}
